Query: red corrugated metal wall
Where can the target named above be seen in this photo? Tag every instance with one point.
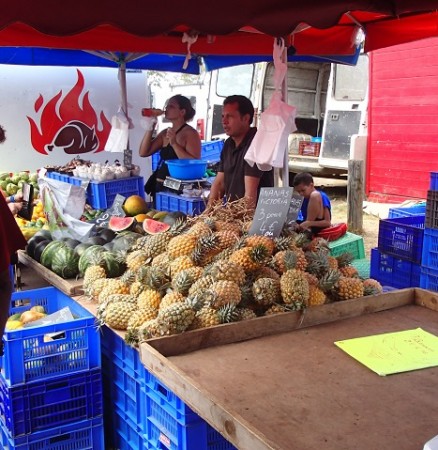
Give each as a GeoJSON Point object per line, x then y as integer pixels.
{"type": "Point", "coordinates": [403, 121]}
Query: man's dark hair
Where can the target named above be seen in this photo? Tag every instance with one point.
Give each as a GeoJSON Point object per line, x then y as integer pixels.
{"type": "Point", "coordinates": [245, 105]}
{"type": "Point", "coordinates": [2, 135]}
{"type": "Point", "coordinates": [303, 178]}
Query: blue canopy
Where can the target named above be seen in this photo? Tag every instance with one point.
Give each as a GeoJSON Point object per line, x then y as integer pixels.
{"type": "Point", "coordinates": [166, 63]}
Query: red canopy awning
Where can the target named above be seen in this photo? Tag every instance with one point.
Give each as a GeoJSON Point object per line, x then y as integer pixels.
{"type": "Point", "coordinates": [313, 27]}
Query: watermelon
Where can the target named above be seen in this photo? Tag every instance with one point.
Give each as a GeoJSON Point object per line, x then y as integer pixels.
{"type": "Point", "coordinates": [32, 243]}
{"type": "Point", "coordinates": [112, 264]}
{"type": "Point", "coordinates": [124, 241]}
{"type": "Point", "coordinates": [49, 252]}
{"type": "Point", "coordinates": [121, 223]}
{"type": "Point", "coordinates": [152, 226]}
{"type": "Point", "coordinates": [65, 262]}
{"type": "Point", "coordinates": [39, 249]}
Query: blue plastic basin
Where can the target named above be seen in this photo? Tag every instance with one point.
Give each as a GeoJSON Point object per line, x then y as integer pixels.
{"type": "Point", "coordinates": [187, 169]}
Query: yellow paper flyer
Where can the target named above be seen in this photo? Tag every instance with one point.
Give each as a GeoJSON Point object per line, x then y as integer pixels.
{"type": "Point", "coordinates": [397, 352]}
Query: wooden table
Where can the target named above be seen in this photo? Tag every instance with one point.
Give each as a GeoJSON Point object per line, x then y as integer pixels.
{"type": "Point", "coordinates": [294, 389]}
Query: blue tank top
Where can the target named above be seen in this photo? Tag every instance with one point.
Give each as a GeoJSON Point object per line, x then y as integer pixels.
{"type": "Point", "coordinates": [325, 203]}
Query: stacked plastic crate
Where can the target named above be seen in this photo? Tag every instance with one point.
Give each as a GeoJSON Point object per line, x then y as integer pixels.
{"type": "Point", "coordinates": [141, 412]}
{"type": "Point", "coordinates": [51, 381]}
{"type": "Point", "coordinates": [168, 201]}
{"type": "Point", "coordinates": [396, 262]}
{"type": "Point", "coordinates": [429, 269]}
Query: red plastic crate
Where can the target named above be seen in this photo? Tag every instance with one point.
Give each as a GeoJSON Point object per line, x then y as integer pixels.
{"type": "Point", "coordinates": [38, 406]}
{"type": "Point", "coordinates": [84, 435]}
{"type": "Point", "coordinates": [29, 354]}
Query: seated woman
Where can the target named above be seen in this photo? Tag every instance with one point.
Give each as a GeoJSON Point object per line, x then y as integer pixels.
{"type": "Point", "coordinates": [180, 141]}
{"type": "Point", "coordinates": [316, 207]}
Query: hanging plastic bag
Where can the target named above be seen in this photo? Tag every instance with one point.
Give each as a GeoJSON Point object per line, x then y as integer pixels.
{"type": "Point", "coordinates": [276, 122]}
{"type": "Point", "coordinates": [63, 205]}
{"type": "Point", "coordinates": [119, 134]}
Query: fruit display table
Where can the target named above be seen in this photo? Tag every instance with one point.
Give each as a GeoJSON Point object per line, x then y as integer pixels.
{"type": "Point", "coordinates": [283, 384]}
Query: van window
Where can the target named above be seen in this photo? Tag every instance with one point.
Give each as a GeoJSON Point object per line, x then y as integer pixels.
{"type": "Point", "coordinates": [235, 80]}
{"type": "Point", "coordinates": [351, 82]}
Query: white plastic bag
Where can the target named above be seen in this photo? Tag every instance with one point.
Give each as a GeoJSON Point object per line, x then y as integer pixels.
{"type": "Point", "coordinates": [119, 134]}
{"type": "Point", "coordinates": [63, 206]}
{"type": "Point", "coordinates": [276, 123]}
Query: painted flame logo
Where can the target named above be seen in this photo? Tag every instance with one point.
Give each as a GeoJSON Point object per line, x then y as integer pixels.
{"type": "Point", "coordinates": [68, 125]}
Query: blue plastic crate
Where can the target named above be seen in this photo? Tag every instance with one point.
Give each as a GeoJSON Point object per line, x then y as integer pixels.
{"type": "Point", "coordinates": [395, 272]}
{"type": "Point", "coordinates": [127, 357]}
{"type": "Point", "coordinates": [121, 433]}
{"type": "Point", "coordinates": [211, 151]}
{"type": "Point", "coordinates": [408, 211]}
{"type": "Point", "coordinates": [434, 181]}
{"type": "Point", "coordinates": [125, 391]}
{"type": "Point", "coordinates": [84, 435]}
{"type": "Point", "coordinates": [38, 406]}
{"type": "Point", "coordinates": [165, 433]}
{"type": "Point", "coordinates": [429, 279]}
{"type": "Point", "coordinates": [164, 399]}
{"type": "Point", "coordinates": [32, 355]}
{"type": "Point", "coordinates": [430, 248]}
{"type": "Point", "coordinates": [402, 237]}
{"type": "Point", "coordinates": [166, 201]}
{"type": "Point", "coordinates": [101, 195]}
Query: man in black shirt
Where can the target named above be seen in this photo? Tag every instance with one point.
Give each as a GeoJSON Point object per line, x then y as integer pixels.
{"type": "Point", "coordinates": [235, 177]}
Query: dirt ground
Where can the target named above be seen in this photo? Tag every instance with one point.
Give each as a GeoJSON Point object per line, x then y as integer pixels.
{"type": "Point", "coordinates": [338, 198]}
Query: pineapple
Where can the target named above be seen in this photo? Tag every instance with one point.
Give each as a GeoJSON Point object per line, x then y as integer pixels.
{"type": "Point", "coordinates": [113, 286]}
{"type": "Point", "coordinates": [201, 285]}
{"type": "Point", "coordinates": [184, 279]}
{"type": "Point", "coordinates": [294, 288]}
{"type": "Point", "coordinates": [146, 330]}
{"type": "Point", "coordinates": [205, 317]}
{"type": "Point", "coordinates": [96, 287]}
{"type": "Point", "coordinates": [348, 288]}
{"type": "Point", "coordinates": [226, 239]}
{"type": "Point", "coordinates": [225, 292]}
{"type": "Point", "coordinates": [221, 225]}
{"type": "Point", "coordinates": [137, 259]}
{"type": "Point", "coordinates": [149, 298]}
{"type": "Point", "coordinates": [199, 228]}
{"type": "Point", "coordinates": [250, 258]}
{"type": "Point", "coordinates": [266, 291]}
{"type": "Point", "coordinates": [229, 271]}
{"type": "Point", "coordinates": [246, 314]}
{"type": "Point", "coordinates": [136, 288]}
{"type": "Point", "coordinates": [371, 287]}
{"type": "Point", "coordinates": [284, 243]}
{"type": "Point", "coordinates": [180, 263]}
{"type": "Point", "coordinates": [175, 318]}
{"type": "Point", "coordinates": [266, 272]}
{"type": "Point", "coordinates": [182, 245]}
{"type": "Point", "coordinates": [141, 316]}
{"type": "Point", "coordinates": [162, 260]}
{"type": "Point", "coordinates": [316, 296]}
{"type": "Point", "coordinates": [296, 257]}
{"type": "Point", "coordinates": [345, 267]}
{"type": "Point", "coordinates": [93, 273]}
{"type": "Point", "coordinates": [170, 298]}
{"type": "Point", "coordinates": [228, 313]}
{"type": "Point", "coordinates": [318, 263]}
{"type": "Point", "coordinates": [206, 248]}
{"type": "Point", "coordinates": [118, 314]}
{"type": "Point", "coordinates": [267, 242]}
{"type": "Point", "coordinates": [276, 309]}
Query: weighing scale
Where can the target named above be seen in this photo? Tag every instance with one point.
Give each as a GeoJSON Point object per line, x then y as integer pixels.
{"type": "Point", "coordinates": [177, 185]}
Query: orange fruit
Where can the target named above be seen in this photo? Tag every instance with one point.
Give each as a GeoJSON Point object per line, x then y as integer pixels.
{"type": "Point", "coordinates": [140, 217]}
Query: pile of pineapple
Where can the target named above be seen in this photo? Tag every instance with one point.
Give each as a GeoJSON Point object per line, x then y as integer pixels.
{"type": "Point", "coordinates": [209, 271]}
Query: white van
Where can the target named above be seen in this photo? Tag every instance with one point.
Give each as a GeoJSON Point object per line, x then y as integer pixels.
{"type": "Point", "coordinates": [54, 114]}
{"type": "Point", "coordinates": [331, 101]}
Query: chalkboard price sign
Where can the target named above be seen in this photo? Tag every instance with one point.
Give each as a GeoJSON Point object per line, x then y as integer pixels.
{"type": "Point", "coordinates": [271, 211]}
{"type": "Point", "coordinates": [294, 208]}
{"type": "Point", "coordinates": [116, 209]}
